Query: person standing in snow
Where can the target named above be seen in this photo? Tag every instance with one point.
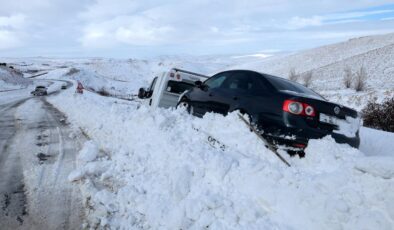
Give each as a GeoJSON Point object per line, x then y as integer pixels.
{"type": "Point", "coordinates": [79, 88]}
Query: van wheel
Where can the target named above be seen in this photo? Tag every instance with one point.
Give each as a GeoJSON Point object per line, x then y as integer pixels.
{"type": "Point", "coordinates": [185, 104]}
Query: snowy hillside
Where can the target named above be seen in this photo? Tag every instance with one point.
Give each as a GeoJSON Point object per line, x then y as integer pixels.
{"type": "Point", "coordinates": [12, 79]}
{"type": "Point", "coordinates": [323, 56]}
{"type": "Point", "coordinates": [327, 64]}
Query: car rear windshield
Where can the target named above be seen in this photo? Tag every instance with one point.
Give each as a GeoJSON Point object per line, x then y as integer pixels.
{"type": "Point", "coordinates": [178, 87]}
{"type": "Point", "coordinates": [286, 85]}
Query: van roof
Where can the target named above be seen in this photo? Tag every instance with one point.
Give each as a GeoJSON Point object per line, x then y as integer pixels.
{"type": "Point", "coordinates": [189, 72]}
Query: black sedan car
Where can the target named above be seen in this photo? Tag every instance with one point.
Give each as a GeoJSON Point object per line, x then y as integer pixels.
{"type": "Point", "coordinates": [285, 112]}
{"type": "Point", "coordinates": [40, 91]}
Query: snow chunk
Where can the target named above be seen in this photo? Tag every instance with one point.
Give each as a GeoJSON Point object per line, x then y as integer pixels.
{"type": "Point", "coordinates": [348, 127]}
{"type": "Point", "coordinates": [88, 153]}
{"type": "Point", "coordinates": [86, 163]}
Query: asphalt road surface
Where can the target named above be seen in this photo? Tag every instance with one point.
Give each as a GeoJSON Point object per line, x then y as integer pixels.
{"type": "Point", "coordinates": [37, 152]}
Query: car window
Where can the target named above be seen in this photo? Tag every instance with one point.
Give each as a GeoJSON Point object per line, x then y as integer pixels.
{"type": "Point", "coordinates": [216, 81]}
{"type": "Point", "coordinates": [178, 87]}
{"type": "Point", "coordinates": [287, 85]}
{"type": "Point", "coordinates": [245, 82]}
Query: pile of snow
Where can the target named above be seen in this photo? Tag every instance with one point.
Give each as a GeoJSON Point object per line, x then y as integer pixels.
{"type": "Point", "coordinates": [12, 79]}
{"type": "Point", "coordinates": [161, 170]}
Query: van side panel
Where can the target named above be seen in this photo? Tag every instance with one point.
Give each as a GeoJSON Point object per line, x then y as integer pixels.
{"type": "Point", "coordinates": [163, 98]}
{"type": "Point", "coordinates": [168, 100]}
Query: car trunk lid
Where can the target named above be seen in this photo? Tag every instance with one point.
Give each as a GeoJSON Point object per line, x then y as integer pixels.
{"type": "Point", "coordinates": [336, 118]}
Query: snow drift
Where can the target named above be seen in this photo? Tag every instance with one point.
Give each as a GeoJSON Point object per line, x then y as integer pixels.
{"type": "Point", "coordinates": [12, 79]}
{"type": "Point", "coordinates": [160, 171]}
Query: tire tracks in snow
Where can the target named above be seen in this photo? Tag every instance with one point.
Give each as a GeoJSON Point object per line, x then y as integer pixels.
{"type": "Point", "coordinates": [12, 187]}
{"type": "Point", "coordinates": [36, 156]}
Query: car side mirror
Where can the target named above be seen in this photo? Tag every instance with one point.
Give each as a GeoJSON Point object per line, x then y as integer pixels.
{"type": "Point", "coordinates": [141, 93]}
{"type": "Point", "coordinates": [198, 84]}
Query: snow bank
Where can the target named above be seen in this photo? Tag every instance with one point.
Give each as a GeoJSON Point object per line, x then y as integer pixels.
{"type": "Point", "coordinates": [378, 166]}
{"type": "Point", "coordinates": [376, 142]}
{"type": "Point", "coordinates": [11, 79]}
{"type": "Point", "coordinates": [163, 172]}
{"type": "Point", "coordinates": [86, 166]}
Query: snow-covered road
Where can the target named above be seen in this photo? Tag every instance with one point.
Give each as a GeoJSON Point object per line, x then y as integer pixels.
{"type": "Point", "coordinates": [37, 153]}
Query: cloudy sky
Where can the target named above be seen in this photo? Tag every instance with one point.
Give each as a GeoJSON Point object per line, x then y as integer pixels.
{"type": "Point", "coordinates": [146, 28]}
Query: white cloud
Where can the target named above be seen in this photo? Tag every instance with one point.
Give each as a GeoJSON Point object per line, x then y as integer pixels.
{"type": "Point", "coordinates": [141, 35]}
{"type": "Point", "coordinates": [131, 30]}
{"type": "Point", "coordinates": [356, 14]}
{"type": "Point", "coordinates": [299, 22]}
{"type": "Point", "coordinates": [11, 31]}
{"type": "Point", "coordinates": [177, 26]}
{"type": "Point", "coordinates": [9, 40]}
{"type": "Point", "coordinates": [14, 21]}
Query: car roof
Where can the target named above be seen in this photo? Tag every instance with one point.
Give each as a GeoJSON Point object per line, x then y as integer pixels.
{"type": "Point", "coordinates": [269, 76]}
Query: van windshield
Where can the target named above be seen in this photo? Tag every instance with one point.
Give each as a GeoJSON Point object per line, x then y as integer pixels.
{"type": "Point", "coordinates": [178, 87]}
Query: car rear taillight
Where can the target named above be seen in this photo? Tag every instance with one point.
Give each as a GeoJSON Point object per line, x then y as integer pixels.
{"type": "Point", "coordinates": [298, 108]}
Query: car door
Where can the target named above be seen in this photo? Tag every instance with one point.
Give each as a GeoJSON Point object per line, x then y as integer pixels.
{"type": "Point", "coordinates": [260, 101]}
{"type": "Point", "coordinates": [232, 92]}
{"type": "Point", "coordinates": [245, 90]}
{"type": "Point", "coordinates": [203, 97]}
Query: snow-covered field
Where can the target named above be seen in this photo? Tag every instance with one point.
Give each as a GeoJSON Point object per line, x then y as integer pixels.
{"type": "Point", "coordinates": [158, 169]}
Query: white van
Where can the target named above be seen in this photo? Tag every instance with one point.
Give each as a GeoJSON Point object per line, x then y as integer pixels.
{"type": "Point", "coordinates": [165, 90]}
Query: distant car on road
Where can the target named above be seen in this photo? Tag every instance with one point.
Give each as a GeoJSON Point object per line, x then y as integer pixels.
{"type": "Point", "coordinates": [286, 113]}
{"type": "Point", "coordinates": [40, 91]}
{"type": "Point", "coordinates": [64, 87]}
